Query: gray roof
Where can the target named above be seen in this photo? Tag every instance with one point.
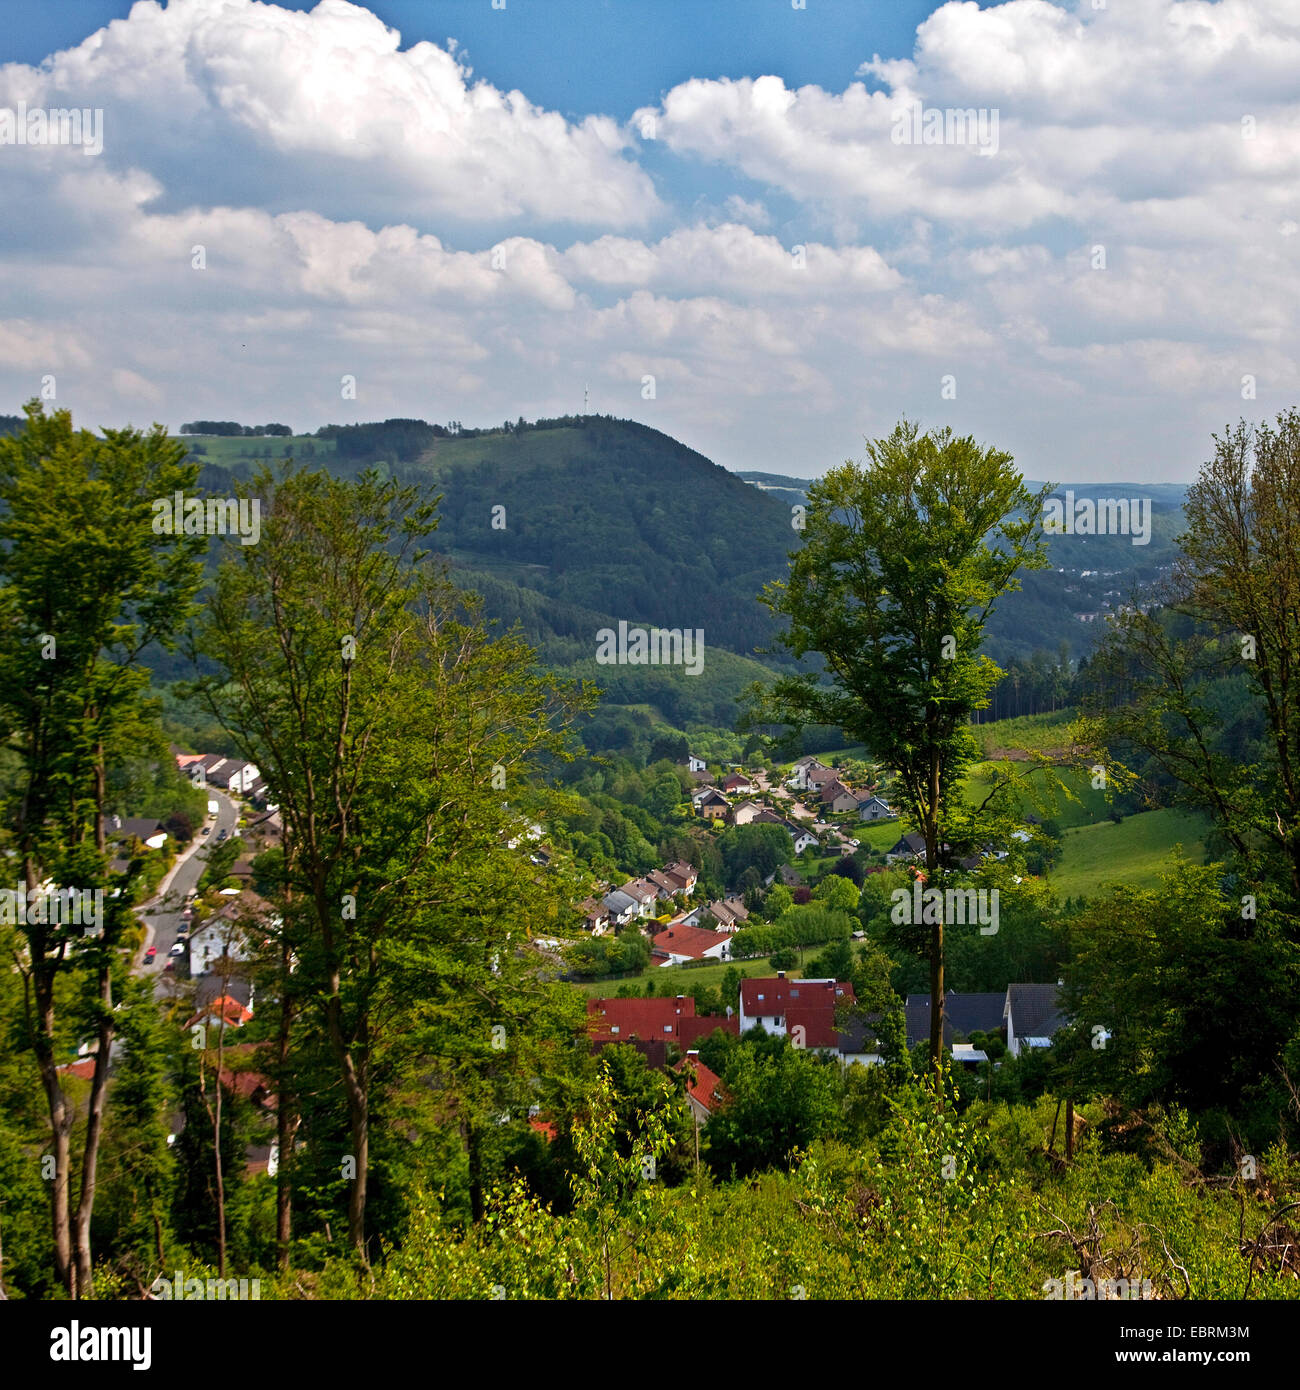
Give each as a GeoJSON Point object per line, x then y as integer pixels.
{"type": "Point", "coordinates": [963, 1014]}
{"type": "Point", "coordinates": [910, 844]}
{"type": "Point", "coordinates": [1034, 1009]}
{"type": "Point", "coordinates": [619, 902]}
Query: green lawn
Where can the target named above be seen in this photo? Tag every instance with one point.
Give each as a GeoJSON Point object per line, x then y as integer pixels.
{"type": "Point", "coordinates": [1135, 851]}
{"type": "Point", "coordinates": [1090, 808]}
{"type": "Point", "coordinates": [1038, 732]}
{"type": "Point", "coordinates": [228, 449]}
{"type": "Point", "coordinates": [675, 979]}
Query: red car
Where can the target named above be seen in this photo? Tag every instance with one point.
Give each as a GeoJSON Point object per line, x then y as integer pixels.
{"type": "Point", "coordinates": [150, 954]}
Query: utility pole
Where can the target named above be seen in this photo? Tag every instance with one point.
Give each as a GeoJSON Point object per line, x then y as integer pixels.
{"type": "Point", "coordinates": [586, 397]}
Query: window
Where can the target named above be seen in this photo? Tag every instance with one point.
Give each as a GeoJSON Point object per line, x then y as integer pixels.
{"type": "Point", "coordinates": [614, 1029]}
{"type": "Point", "coordinates": [668, 1027]}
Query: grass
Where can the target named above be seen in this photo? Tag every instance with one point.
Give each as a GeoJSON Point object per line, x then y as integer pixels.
{"type": "Point", "coordinates": [1135, 851]}
{"type": "Point", "coordinates": [675, 979]}
{"type": "Point", "coordinates": [1038, 732]}
{"type": "Point", "coordinates": [229, 449]}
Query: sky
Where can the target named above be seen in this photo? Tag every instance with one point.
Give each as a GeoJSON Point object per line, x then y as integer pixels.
{"type": "Point", "coordinates": [770, 229]}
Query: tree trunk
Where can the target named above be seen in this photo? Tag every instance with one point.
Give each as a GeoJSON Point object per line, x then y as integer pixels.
{"type": "Point", "coordinates": [1069, 1129]}
{"type": "Point", "coordinates": [94, 1132]}
{"type": "Point", "coordinates": [936, 932]}
{"type": "Point", "coordinates": [60, 1135]}
{"type": "Point", "coordinates": [284, 1124]}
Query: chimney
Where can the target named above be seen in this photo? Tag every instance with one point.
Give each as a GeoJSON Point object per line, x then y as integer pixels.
{"type": "Point", "coordinates": [780, 974]}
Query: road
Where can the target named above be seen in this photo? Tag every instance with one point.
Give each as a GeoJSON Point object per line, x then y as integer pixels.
{"type": "Point", "coordinates": [162, 916]}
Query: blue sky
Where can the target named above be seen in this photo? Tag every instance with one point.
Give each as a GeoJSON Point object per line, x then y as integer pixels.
{"type": "Point", "coordinates": [770, 232]}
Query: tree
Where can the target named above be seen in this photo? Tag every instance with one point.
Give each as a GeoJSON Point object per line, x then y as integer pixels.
{"type": "Point", "coordinates": [778, 1103]}
{"type": "Point", "coordinates": [1229, 617]}
{"type": "Point", "coordinates": [763, 848]}
{"type": "Point", "coordinates": [370, 692]}
{"type": "Point", "coordinates": [901, 564]}
{"type": "Point", "coordinates": [835, 891]}
{"type": "Point", "coordinates": [86, 586]}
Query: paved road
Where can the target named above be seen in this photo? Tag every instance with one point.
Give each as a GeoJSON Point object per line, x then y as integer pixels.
{"type": "Point", "coordinates": [162, 917]}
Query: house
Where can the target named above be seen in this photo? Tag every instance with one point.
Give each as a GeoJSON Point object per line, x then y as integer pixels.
{"type": "Point", "coordinates": [216, 1001]}
{"type": "Point", "coordinates": [803, 838]}
{"type": "Point", "coordinates": [224, 934]}
{"type": "Point", "coordinates": [963, 1014]}
{"type": "Point", "coordinates": [682, 874]}
{"type": "Point", "coordinates": [595, 916]}
{"type": "Point", "coordinates": [787, 875]}
{"type": "Point", "coordinates": [644, 894]}
{"type": "Point", "coordinates": [663, 882]}
{"type": "Point", "coordinates": [676, 945]}
{"type": "Point", "coordinates": [737, 782]}
{"type": "Point", "coordinates": [267, 829]}
{"type": "Point", "coordinates": [804, 1010]}
{"type": "Point", "coordinates": [705, 1093]}
{"type": "Point", "coordinates": [801, 770]}
{"type": "Point", "coordinates": [817, 777]}
{"type": "Point", "coordinates": [216, 770]}
{"type": "Point", "coordinates": [908, 847]}
{"type": "Point", "coordinates": [621, 907]}
{"type": "Point", "coordinates": [766, 817]}
{"type": "Point", "coordinates": [745, 812]}
{"type": "Point", "coordinates": [651, 1020]}
{"type": "Point", "coordinates": [729, 913]}
{"type": "Point", "coordinates": [1032, 1014]}
{"type": "Point", "coordinates": [692, 917]}
{"type": "Point", "coordinates": [837, 797]}
{"type": "Point", "coordinates": [694, 764]}
{"type": "Point", "coordinates": [700, 793]}
{"type": "Point", "coordinates": [872, 808]}
{"type": "Point", "coordinates": [713, 805]}
{"type": "Point", "coordinates": [859, 1044]}
{"type": "Point", "coordinates": [649, 1024]}
{"type": "Point", "coordinates": [146, 829]}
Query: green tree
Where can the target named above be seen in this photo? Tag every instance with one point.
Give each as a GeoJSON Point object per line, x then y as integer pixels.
{"type": "Point", "coordinates": [370, 693]}
{"type": "Point", "coordinates": [87, 585]}
{"type": "Point", "coordinates": [901, 564]}
{"type": "Point", "coordinates": [778, 1104]}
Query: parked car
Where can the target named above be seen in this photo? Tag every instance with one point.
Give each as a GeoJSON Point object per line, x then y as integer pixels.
{"type": "Point", "coordinates": [222, 835]}
{"type": "Point", "coordinates": [169, 968]}
{"type": "Point", "coordinates": [178, 949]}
{"type": "Point", "coordinates": [207, 830]}
{"type": "Point", "coordinates": [150, 954]}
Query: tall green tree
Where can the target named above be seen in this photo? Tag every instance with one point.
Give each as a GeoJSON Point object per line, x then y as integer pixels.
{"type": "Point", "coordinates": [86, 586]}
{"type": "Point", "coordinates": [401, 739]}
{"type": "Point", "coordinates": [902, 561]}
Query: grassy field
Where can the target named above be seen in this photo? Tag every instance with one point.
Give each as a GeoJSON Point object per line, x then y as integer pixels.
{"type": "Point", "coordinates": [229, 449]}
{"type": "Point", "coordinates": [1038, 732]}
{"type": "Point", "coordinates": [1090, 808]}
{"type": "Point", "coordinates": [1135, 851]}
{"type": "Point", "coordinates": [674, 979]}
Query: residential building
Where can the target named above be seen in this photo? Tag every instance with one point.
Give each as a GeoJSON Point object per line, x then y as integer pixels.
{"type": "Point", "coordinates": [745, 812]}
{"type": "Point", "coordinates": [682, 874]}
{"type": "Point", "coordinates": [729, 913]}
{"type": "Point", "coordinates": [705, 1093]}
{"type": "Point", "coordinates": [1032, 1014]}
{"type": "Point", "coordinates": [676, 945]}
{"type": "Point", "coordinates": [621, 907]}
{"type": "Point", "coordinates": [872, 808]}
{"type": "Point", "coordinates": [803, 1010]}
{"type": "Point", "coordinates": [963, 1014]}
{"type": "Point", "coordinates": [713, 805]}
{"type": "Point", "coordinates": [836, 797]}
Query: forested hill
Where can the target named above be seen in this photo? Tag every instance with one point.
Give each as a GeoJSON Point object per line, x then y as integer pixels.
{"type": "Point", "coordinates": [571, 525]}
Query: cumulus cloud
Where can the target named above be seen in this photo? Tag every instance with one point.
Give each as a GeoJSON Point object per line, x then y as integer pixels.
{"type": "Point", "coordinates": [238, 101]}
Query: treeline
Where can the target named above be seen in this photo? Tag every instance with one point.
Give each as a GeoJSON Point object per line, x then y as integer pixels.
{"type": "Point", "coordinates": [230, 429]}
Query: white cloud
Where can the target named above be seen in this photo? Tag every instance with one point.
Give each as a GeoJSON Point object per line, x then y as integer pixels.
{"type": "Point", "coordinates": [239, 99]}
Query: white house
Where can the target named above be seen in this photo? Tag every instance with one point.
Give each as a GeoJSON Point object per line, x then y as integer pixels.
{"type": "Point", "coordinates": [621, 907]}
{"type": "Point", "coordinates": [677, 945]}
{"type": "Point", "coordinates": [804, 766]}
{"type": "Point", "coordinates": [694, 764]}
{"type": "Point", "coordinates": [216, 938]}
{"type": "Point", "coordinates": [803, 839]}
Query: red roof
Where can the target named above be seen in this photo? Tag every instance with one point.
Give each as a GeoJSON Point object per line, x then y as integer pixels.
{"type": "Point", "coordinates": [691, 942]}
{"type": "Point", "coordinates": [806, 1004]}
{"type": "Point", "coordinates": [86, 1068]}
{"type": "Point", "coordinates": [643, 1018]}
{"type": "Point", "coordinates": [545, 1128]}
{"type": "Point", "coordinates": [706, 1089]}
{"type": "Point", "coordinates": [236, 1014]}
{"type": "Point", "coordinates": [691, 1030]}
